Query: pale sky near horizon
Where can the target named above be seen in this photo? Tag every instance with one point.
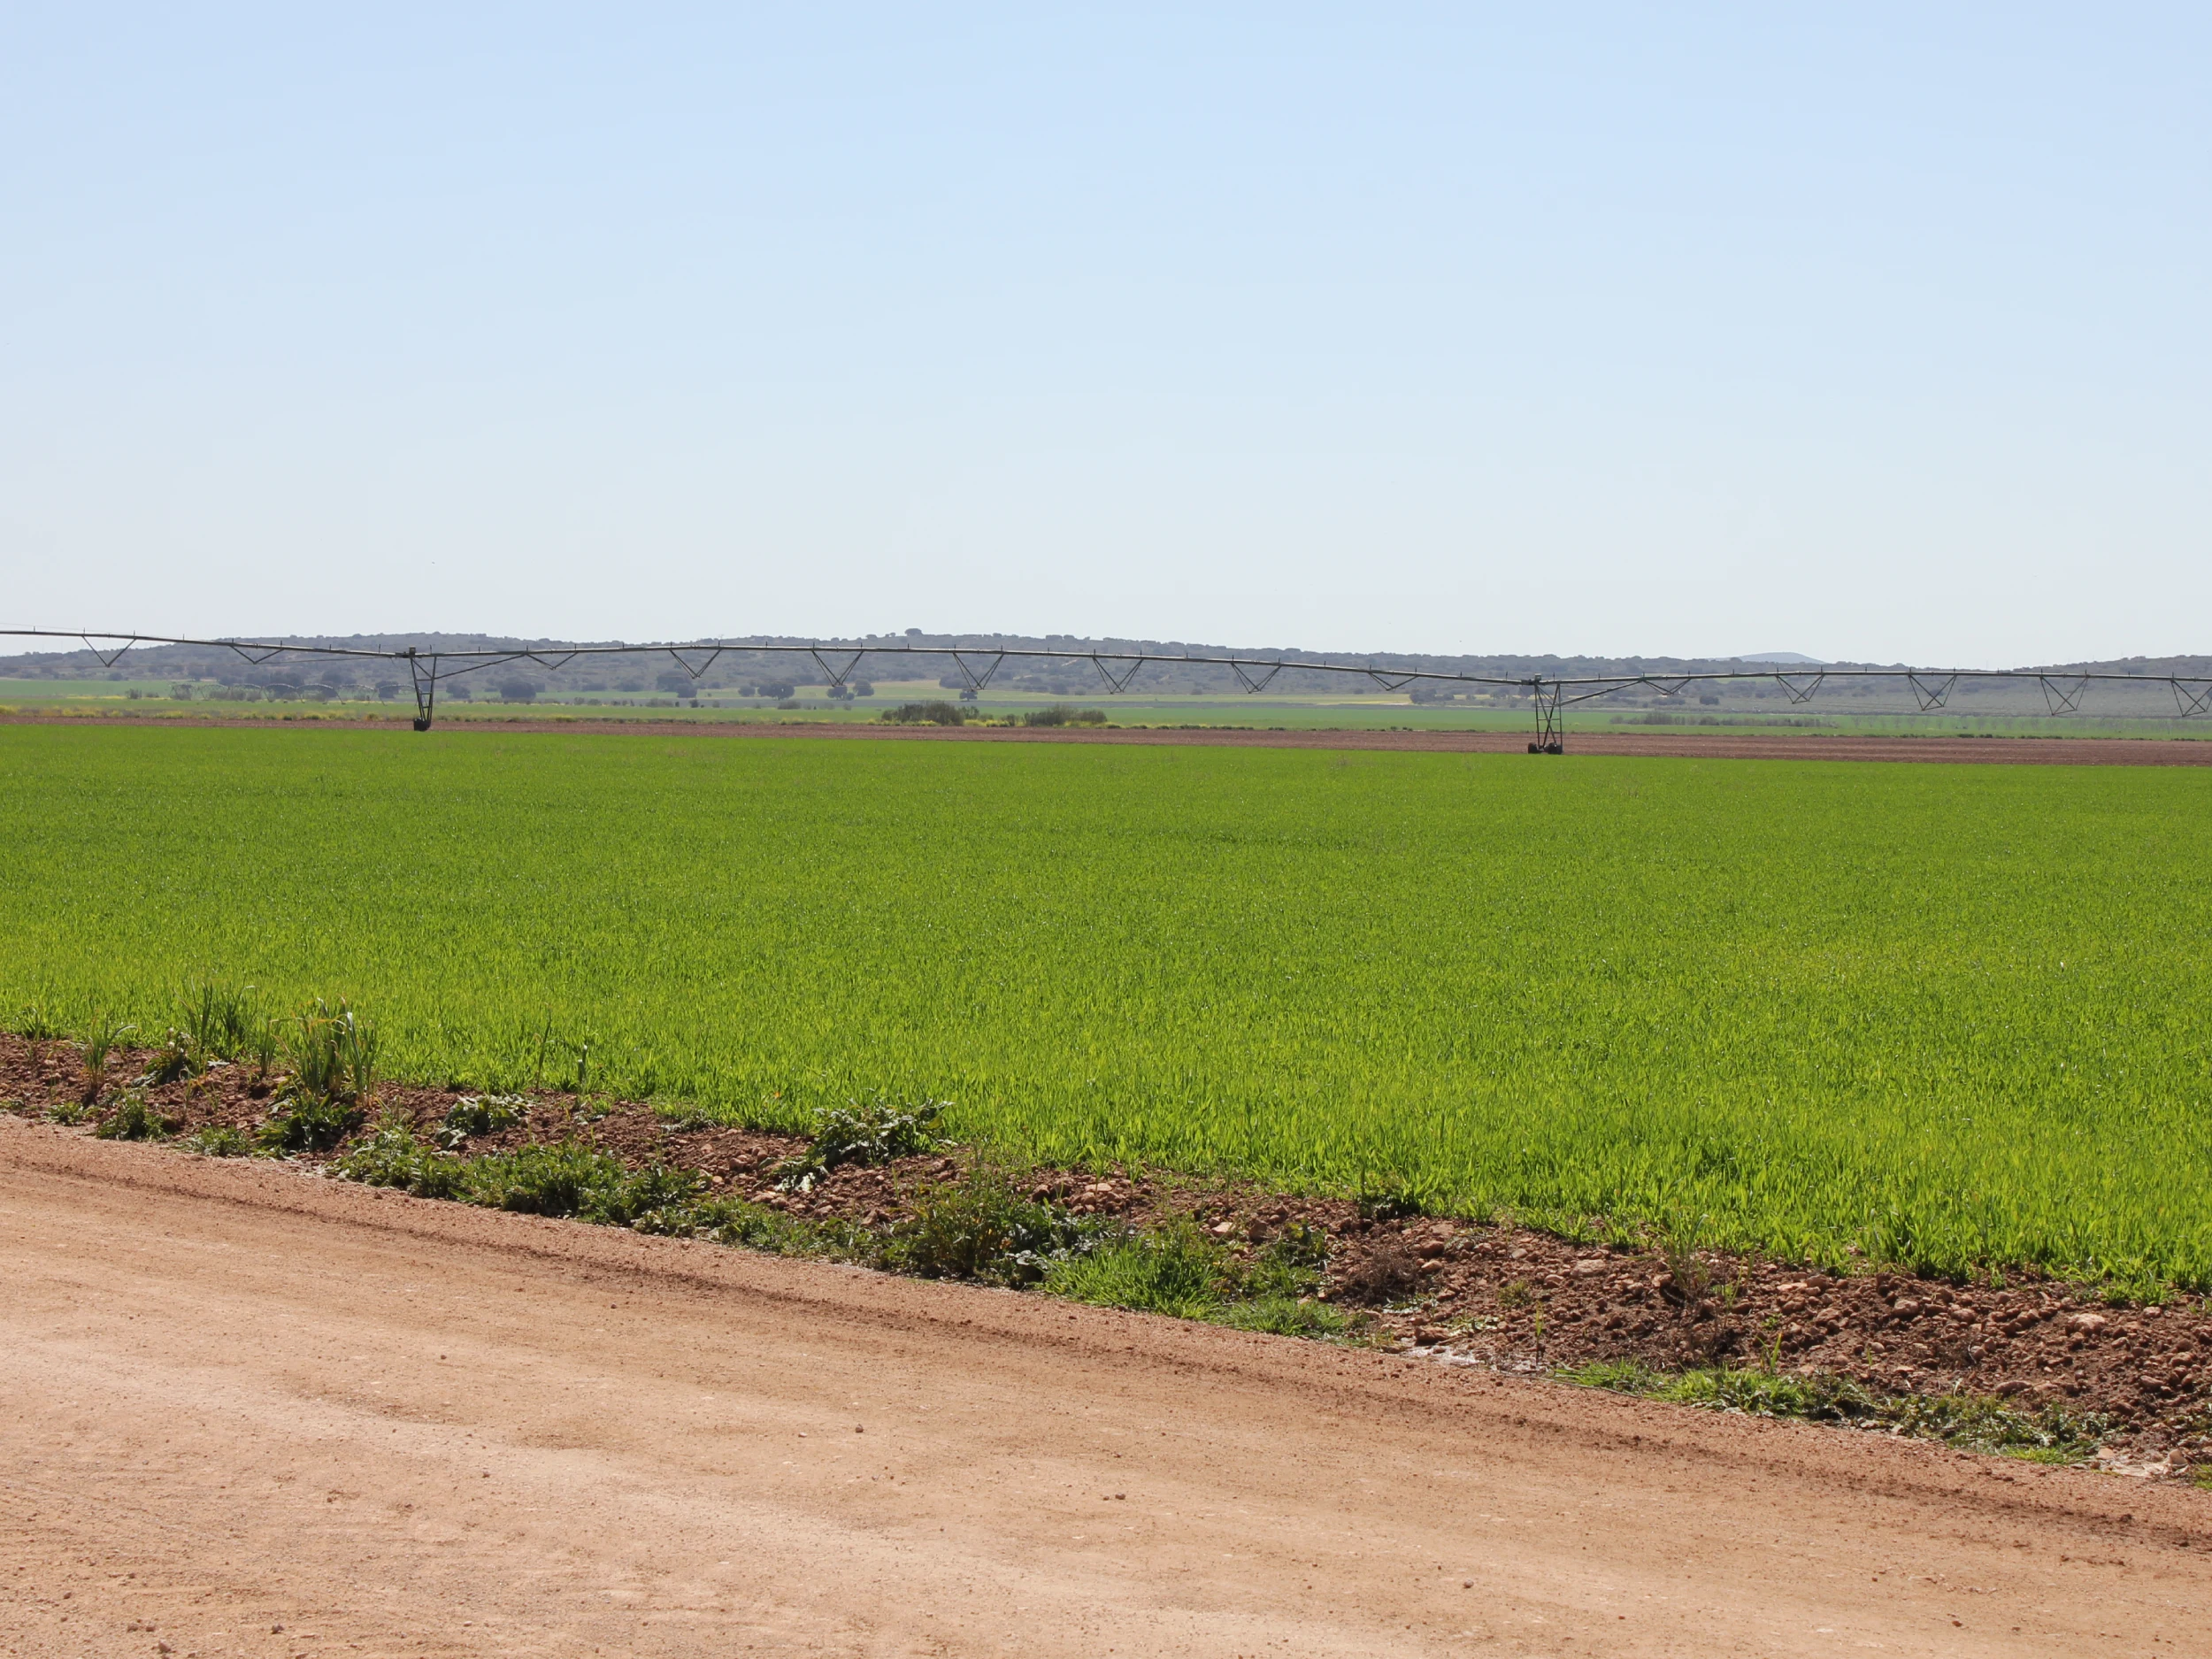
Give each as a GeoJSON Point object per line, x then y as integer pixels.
{"type": "Point", "coordinates": [1873, 332]}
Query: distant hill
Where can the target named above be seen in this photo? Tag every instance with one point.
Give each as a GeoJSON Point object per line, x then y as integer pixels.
{"type": "Point", "coordinates": [152, 661]}
{"type": "Point", "coordinates": [742, 670]}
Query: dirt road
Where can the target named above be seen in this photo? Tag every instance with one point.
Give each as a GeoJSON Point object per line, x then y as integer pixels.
{"type": "Point", "coordinates": [252, 1412]}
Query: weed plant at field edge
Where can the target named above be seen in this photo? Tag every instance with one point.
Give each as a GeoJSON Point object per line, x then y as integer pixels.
{"type": "Point", "coordinates": [1971, 1421]}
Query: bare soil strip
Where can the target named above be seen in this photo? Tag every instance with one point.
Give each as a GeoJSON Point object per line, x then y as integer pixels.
{"type": "Point", "coordinates": [256, 1412]}
{"type": "Point", "coordinates": [2051, 751]}
{"type": "Point", "coordinates": [1505, 1297]}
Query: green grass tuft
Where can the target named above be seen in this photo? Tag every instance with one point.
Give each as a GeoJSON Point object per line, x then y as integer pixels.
{"type": "Point", "coordinates": [331, 1053]}
{"type": "Point", "coordinates": [225, 1023]}
{"type": "Point", "coordinates": [100, 1040]}
{"type": "Point", "coordinates": [1176, 1271]}
{"type": "Point", "coordinates": [133, 1118]}
{"type": "Point", "coordinates": [480, 1115]}
{"type": "Point", "coordinates": [394, 1155]}
{"type": "Point", "coordinates": [568, 1179]}
{"type": "Point", "coordinates": [656, 1199]}
{"type": "Point", "coordinates": [542, 1180]}
{"type": "Point", "coordinates": [1181, 1270]}
{"type": "Point", "coordinates": [1621, 1376]}
{"type": "Point", "coordinates": [982, 1227]}
{"type": "Point", "coordinates": [1971, 1421]}
{"type": "Point", "coordinates": [868, 1133]}
{"type": "Point", "coordinates": [1286, 1316]}
{"type": "Point", "coordinates": [301, 1123]}
{"type": "Point", "coordinates": [219, 1141]}
{"type": "Point", "coordinates": [37, 1021]}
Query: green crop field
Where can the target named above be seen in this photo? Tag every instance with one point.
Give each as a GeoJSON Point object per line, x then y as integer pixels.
{"type": "Point", "coordinates": [1955, 1017]}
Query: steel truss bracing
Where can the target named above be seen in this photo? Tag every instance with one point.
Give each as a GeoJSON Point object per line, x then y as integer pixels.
{"type": "Point", "coordinates": [424, 671]}
{"type": "Point", "coordinates": [695, 662]}
{"type": "Point", "coordinates": [834, 678]}
{"type": "Point", "coordinates": [2062, 693]}
{"type": "Point", "coordinates": [1252, 676]}
{"type": "Point", "coordinates": [1551, 731]}
{"type": "Point", "coordinates": [1118, 672]}
{"type": "Point", "coordinates": [2063, 690]}
{"type": "Point", "coordinates": [1931, 691]}
{"type": "Point", "coordinates": [977, 678]}
{"type": "Point", "coordinates": [108, 659]}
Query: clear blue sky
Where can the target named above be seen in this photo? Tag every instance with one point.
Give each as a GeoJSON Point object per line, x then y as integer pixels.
{"type": "Point", "coordinates": [1870, 332]}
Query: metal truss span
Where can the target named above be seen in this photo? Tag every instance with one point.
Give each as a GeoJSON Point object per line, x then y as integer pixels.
{"type": "Point", "coordinates": [1547, 697]}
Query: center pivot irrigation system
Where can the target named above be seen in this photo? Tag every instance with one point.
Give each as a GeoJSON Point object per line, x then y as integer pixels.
{"type": "Point", "coordinates": [1932, 688]}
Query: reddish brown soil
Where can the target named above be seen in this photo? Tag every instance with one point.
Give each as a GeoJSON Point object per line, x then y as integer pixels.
{"type": "Point", "coordinates": [254, 1413]}
{"type": "Point", "coordinates": [2052, 751]}
{"type": "Point", "coordinates": [1502, 1298]}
